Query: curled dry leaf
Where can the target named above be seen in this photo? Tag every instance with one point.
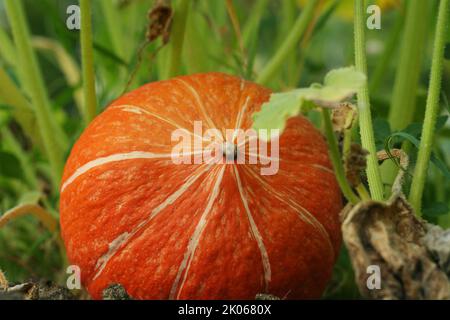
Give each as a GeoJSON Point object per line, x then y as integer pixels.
{"type": "Point", "coordinates": [403, 161]}
{"type": "Point", "coordinates": [413, 257]}
{"type": "Point", "coordinates": [343, 117]}
{"type": "Point", "coordinates": [160, 18]}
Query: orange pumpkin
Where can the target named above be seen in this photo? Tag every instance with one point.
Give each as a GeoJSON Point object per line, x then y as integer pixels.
{"type": "Point", "coordinates": [129, 215]}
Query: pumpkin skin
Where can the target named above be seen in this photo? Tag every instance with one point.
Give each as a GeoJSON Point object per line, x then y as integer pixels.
{"type": "Point", "coordinates": [129, 215]}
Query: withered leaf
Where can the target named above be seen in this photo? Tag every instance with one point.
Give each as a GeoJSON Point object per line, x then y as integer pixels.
{"type": "Point", "coordinates": [160, 18]}
{"type": "Point", "coordinates": [390, 236]}
{"type": "Point", "coordinates": [355, 163]}
{"type": "Point", "coordinates": [343, 117]}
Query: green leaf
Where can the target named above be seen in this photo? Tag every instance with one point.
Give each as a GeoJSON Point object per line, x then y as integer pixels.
{"type": "Point", "coordinates": [415, 128]}
{"type": "Point", "coordinates": [382, 131]}
{"type": "Point", "coordinates": [345, 78]}
{"type": "Point", "coordinates": [436, 209]}
{"type": "Point", "coordinates": [277, 111]}
{"type": "Point", "coordinates": [9, 166]}
{"type": "Point", "coordinates": [339, 85]}
{"type": "Point", "coordinates": [4, 117]}
{"type": "Point", "coordinates": [30, 197]}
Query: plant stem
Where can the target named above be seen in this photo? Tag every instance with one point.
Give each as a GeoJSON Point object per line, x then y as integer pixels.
{"type": "Point", "coordinates": [365, 116]}
{"type": "Point", "coordinates": [7, 50]}
{"type": "Point", "coordinates": [237, 30]}
{"type": "Point", "coordinates": [300, 26]}
{"type": "Point", "coordinates": [380, 71]}
{"type": "Point", "coordinates": [22, 111]}
{"type": "Point", "coordinates": [362, 192]}
{"type": "Point", "coordinates": [336, 158]}
{"type": "Point", "coordinates": [432, 109]}
{"type": "Point", "coordinates": [114, 27]}
{"type": "Point", "coordinates": [410, 64]}
{"type": "Point", "coordinates": [180, 16]}
{"type": "Point", "coordinates": [36, 87]}
{"type": "Point", "coordinates": [27, 167]}
{"type": "Point", "coordinates": [251, 27]}
{"type": "Point", "coordinates": [407, 78]}
{"type": "Point", "coordinates": [87, 58]}
{"type": "Point", "coordinates": [67, 65]}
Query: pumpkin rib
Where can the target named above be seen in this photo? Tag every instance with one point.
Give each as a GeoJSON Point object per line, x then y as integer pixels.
{"type": "Point", "coordinates": [303, 214]}
{"type": "Point", "coordinates": [115, 158]}
{"type": "Point", "coordinates": [122, 241]}
{"type": "Point", "coordinates": [255, 232]}
{"type": "Point", "coordinates": [200, 103]}
{"type": "Point", "coordinates": [135, 109]}
{"type": "Point", "coordinates": [195, 239]}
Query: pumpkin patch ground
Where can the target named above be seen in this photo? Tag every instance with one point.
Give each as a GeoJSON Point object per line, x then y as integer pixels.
{"type": "Point", "coordinates": [224, 150]}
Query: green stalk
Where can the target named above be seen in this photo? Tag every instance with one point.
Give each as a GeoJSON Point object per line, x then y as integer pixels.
{"type": "Point", "coordinates": [66, 63]}
{"type": "Point", "coordinates": [16, 148]}
{"type": "Point", "coordinates": [380, 71]}
{"type": "Point", "coordinates": [336, 159]}
{"type": "Point", "coordinates": [365, 116]}
{"type": "Point", "coordinates": [237, 31]}
{"type": "Point", "coordinates": [7, 50]}
{"type": "Point", "coordinates": [36, 87]}
{"type": "Point", "coordinates": [410, 64]}
{"type": "Point", "coordinates": [275, 64]}
{"type": "Point", "coordinates": [13, 97]}
{"type": "Point", "coordinates": [180, 16]}
{"type": "Point", "coordinates": [432, 109]}
{"type": "Point", "coordinates": [114, 27]}
{"type": "Point", "coordinates": [407, 78]}
{"type": "Point", "coordinates": [87, 58]}
{"type": "Point", "coordinates": [254, 20]}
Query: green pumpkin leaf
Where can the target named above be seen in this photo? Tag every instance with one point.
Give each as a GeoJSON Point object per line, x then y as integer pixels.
{"type": "Point", "coordinates": [382, 130]}
{"type": "Point", "coordinates": [436, 209]}
{"type": "Point", "coordinates": [339, 85]}
{"type": "Point", "coordinates": [447, 51]}
{"type": "Point", "coordinates": [277, 111]}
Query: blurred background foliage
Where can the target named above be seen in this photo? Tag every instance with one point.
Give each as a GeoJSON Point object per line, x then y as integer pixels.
{"type": "Point", "coordinates": [125, 60]}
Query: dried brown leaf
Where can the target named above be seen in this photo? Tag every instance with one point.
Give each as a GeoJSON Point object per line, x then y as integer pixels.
{"type": "Point", "coordinates": [343, 117]}
{"type": "Point", "coordinates": [390, 236]}
{"type": "Point", "coordinates": [160, 18]}
{"type": "Point", "coordinates": [355, 163]}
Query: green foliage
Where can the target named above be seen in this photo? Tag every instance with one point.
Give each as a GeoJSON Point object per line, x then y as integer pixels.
{"type": "Point", "coordinates": [339, 85]}
{"type": "Point", "coordinates": [9, 167]}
